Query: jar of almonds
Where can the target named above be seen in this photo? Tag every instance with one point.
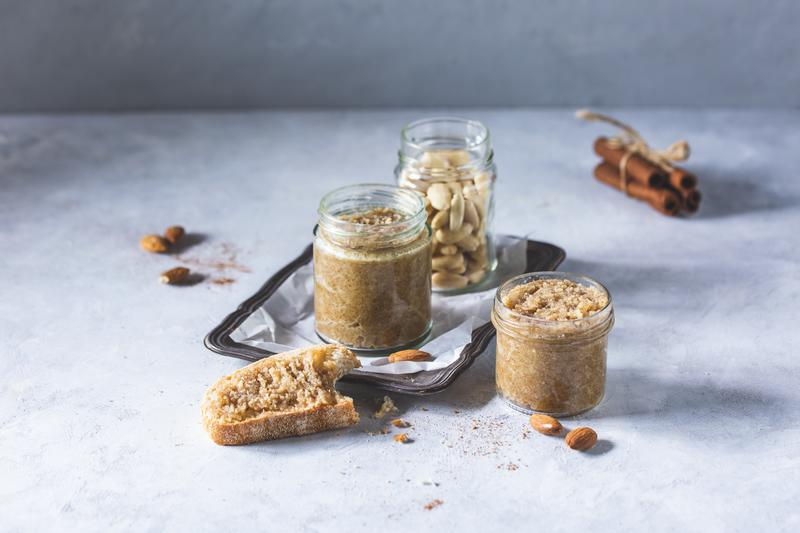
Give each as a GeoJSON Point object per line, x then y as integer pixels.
{"type": "Point", "coordinates": [450, 161]}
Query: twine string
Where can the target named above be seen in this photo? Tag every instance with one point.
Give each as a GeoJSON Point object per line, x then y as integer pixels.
{"type": "Point", "coordinates": [634, 144]}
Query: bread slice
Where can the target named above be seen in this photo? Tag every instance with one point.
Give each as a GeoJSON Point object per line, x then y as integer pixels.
{"type": "Point", "coordinates": [285, 395]}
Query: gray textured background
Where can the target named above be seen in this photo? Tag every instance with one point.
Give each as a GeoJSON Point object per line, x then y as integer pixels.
{"type": "Point", "coordinates": [67, 55]}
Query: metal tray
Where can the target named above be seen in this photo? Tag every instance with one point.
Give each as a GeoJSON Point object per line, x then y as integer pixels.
{"type": "Point", "coordinates": [541, 256]}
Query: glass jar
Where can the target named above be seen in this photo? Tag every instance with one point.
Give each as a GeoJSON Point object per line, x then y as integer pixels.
{"type": "Point", "coordinates": [556, 367]}
{"type": "Point", "coordinates": [372, 268]}
{"type": "Point", "coordinates": [450, 161]}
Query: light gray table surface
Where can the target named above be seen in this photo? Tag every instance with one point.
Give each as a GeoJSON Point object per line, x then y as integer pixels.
{"type": "Point", "coordinates": [103, 368]}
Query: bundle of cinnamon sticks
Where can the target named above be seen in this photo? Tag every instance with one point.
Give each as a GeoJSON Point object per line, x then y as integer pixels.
{"type": "Point", "coordinates": [669, 191]}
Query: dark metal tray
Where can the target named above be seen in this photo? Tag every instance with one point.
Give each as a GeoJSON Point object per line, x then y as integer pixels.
{"type": "Point", "coordinates": [541, 256]}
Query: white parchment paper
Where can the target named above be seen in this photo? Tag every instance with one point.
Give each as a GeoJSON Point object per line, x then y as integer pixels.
{"type": "Point", "coordinates": [286, 320]}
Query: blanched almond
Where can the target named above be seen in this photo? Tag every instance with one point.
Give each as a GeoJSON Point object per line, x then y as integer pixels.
{"type": "Point", "coordinates": [451, 263]}
{"type": "Point", "coordinates": [471, 214]}
{"type": "Point", "coordinates": [448, 280]}
{"type": "Point", "coordinates": [456, 211]}
{"type": "Point", "coordinates": [446, 236]}
{"type": "Point", "coordinates": [440, 196]}
{"type": "Point", "coordinates": [440, 219]}
{"type": "Point", "coordinates": [470, 243]}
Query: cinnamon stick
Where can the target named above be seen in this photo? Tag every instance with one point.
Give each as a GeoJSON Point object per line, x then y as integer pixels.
{"type": "Point", "coordinates": [663, 200]}
{"type": "Point", "coordinates": [682, 179]}
{"type": "Point", "coordinates": [691, 200]}
{"type": "Point", "coordinates": [638, 168]}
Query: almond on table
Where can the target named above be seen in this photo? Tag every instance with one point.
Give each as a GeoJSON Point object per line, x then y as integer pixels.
{"type": "Point", "coordinates": [546, 425]}
{"type": "Point", "coordinates": [154, 244]}
{"type": "Point", "coordinates": [581, 439]}
{"type": "Point", "coordinates": [174, 276]}
{"type": "Point", "coordinates": [174, 233]}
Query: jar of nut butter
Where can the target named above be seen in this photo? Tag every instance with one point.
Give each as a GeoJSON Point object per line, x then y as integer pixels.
{"type": "Point", "coordinates": [451, 162]}
{"type": "Point", "coordinates": [552, 338]}
{"type": "Point", "coordinates": [372, 268]}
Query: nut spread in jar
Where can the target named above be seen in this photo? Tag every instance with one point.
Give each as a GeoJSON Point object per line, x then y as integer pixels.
{"type": "Point", "coordinates": [372, 255]}
{"type": "Point", "coordinates": [552, 337]}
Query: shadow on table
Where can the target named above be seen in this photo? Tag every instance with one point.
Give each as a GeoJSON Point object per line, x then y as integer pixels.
{"type": "Point", "coordinates": [729, 193]}
{"type": "Point", "coordinates": [635, 392]}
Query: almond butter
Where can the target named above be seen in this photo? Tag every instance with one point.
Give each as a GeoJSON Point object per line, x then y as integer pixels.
{"type": "Point", "coordinates": [154, 244]}
{"type": "Point", "coordinates": [581, 439]}
{"type": "Point", "coordinates": [174, 276]}
{"type": "Point", "coordinates": [173, 233]}
{"type": "Point", "coordinates": [409, 355]}
{"type": "Point", "coordinates": [546, 425]}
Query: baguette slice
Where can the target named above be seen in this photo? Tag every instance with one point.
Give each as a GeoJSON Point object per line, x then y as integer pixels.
{"type": "Point", "coordinates": [285, 395]}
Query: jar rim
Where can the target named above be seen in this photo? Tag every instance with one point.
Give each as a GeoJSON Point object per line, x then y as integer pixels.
{"type": "Point", "coordinates": [483, 137]}
{"type": "Point", "coordinates": [367, 195]}
{"type": "Point", "coordinates": [544, 322]}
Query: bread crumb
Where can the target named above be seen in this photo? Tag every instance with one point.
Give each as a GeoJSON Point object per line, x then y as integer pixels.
{"type": "Point", "coordinates": [400, 423]}
{"type": "Point", "coordinates": [386, 407]}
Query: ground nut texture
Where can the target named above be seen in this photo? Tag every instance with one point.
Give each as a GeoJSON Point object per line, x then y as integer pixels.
{"type": "Point", "coordinates": [555, 299]}
{"type": "Point", "coordinates": [377, 216]}
{"type": "Point", "coordinates": [558, 380]}
{"type": "Point", "coordinates": [547, 360]}
{"type": "Point", "coordinates": [373, 299]}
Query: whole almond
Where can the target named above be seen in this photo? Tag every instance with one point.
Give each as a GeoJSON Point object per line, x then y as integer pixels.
{"type": "Point", "coordinates": [409, 355]}
{"type": "Point", "coordinates": [173, 233]}
{"type": "Point", "coordinates": [448, 280]}
{"type": "Point", "coordinates": [456, 211]}
{"type": "Point", "coordinates": [154, 244]}
{"type": "Point", "coordinates": [174, 276]}
{"type": "Point", "coordinates": [440, 196]}
{"type": "Point", "coordinates": [581, 439]}
{"type": "Point", "coordinates": [446, 236]}
{"type": "Point", "coordinates": [546, 425]}
{"type": "Point", "coordinates": [449, 263]}
{"type": "Point", "coordinates": [440, 219]}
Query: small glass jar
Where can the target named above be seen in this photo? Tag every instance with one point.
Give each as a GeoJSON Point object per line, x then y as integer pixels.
{"type": "Point", "coordinates": [372, 276]}
{"type": "Point", "coordinates": [556, 367]}
{"type": "Point", "coordinates": [450, 161]}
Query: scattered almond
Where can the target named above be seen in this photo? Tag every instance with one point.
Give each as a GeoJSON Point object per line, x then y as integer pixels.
{"type": "Point", "coordinates": [154, 244]}
{"type": "Point", "coordinates": [581, 439]}
{"type": "Point", "coordinates": [546, 425]}
{"type": "Point", "coordinates": [401, 437]}
{"type": "Point", "coordinates": [174, 276]}
{"type": "Point", "coordinates": [173, 233]}
{"type": "Point", "coordinates": [433, 504]}
{"type": "Point", "coordinates": [409, 355]}
{"type": "Point", "coordinates": [400, 423]}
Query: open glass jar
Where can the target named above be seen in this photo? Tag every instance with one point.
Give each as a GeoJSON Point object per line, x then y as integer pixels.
{"type": "Point", "coordinates": [553, 362]}
{"type": "Point", "coordinates": [451, 162]}
{"type": "Point", "coordinates": [372, 268]}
